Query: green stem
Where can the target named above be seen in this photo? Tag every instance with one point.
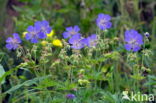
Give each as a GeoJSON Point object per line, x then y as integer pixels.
{"type": "Point", "coordinates": [143, 54]}
{"type": "Point", "coordinates": [71, 75]}
{"type": "Point", "coordinates": [0, 93]}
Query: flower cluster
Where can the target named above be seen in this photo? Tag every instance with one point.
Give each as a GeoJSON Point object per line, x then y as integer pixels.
{"type": "Point", "coordinates": [13, 42]}
{"type": "Point", "coordinates": [91, 41]}
{"type": "Point", "coordinates": [133, 40]}
{"type": "Point", "coordinates": [70, 96]}
{"type": "Point", "coordinates": [42, 29]}
{"type": "Point", "coordinates": [70, 31]}
{"type": "Point", "coordinates": [76, 40]}
{"type": "Point", "coordinates": [38, 31]}
{"type": "Point", "coordinates": [103, 21]}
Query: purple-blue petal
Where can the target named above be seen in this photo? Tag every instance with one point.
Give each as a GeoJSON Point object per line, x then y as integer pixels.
{"type": "Point", "coordinates": [74, 38]}
{"type": "Point", "coordinates": [136, 48]}
{"type": "Point", "coordinates": [70, 31]}
{"type": "Point", "coordinates": [48, 30]}
{"type": "Point", "coordinates": [30, 29]}
{"type": "Point", "coordinates": [70, 96]}
{"type": "Point", "coordinates": [104, 16]}
{"type": "Point", "coordinates": [66, 35]}
{"type": "Point", "coordinates": [42, 35]}
{"type": "Point", "coordinates": [76, 28]}
{"type": "Point", "coordinates": [128, 47]}
{"type": "Point", "coordinates": [9, 46]}
{"type": "Point", "coordinates": [9, 40]}
{"type": "Point", "coordinates": [16, 36]}
{"type": "Point", "coordinates": [108, 25]}
{"type": "Point", "coordinates": [15, 46]}
{"type": "Point", "coordinates": [92, 40]}
{"type": "Point", "coordinates": [85, 41]}
{"type": "Point", "coordinates": [45, 23]}
{"type": "Point", "coordinates": [34, 40]}
{"type": "Point", "coordinates": [28, 36]}
{"type": "Point", "coordinates": [79, 46]}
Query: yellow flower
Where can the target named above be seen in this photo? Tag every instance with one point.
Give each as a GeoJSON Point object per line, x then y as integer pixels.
{"type": "Point", "coordinates": [24, 33]}
{"type": "Point", "coordinates": [51, 34]}
{"type": "Point", "coordinates": [44, 43]}
{"type": "Point", "coordinates": [57, 42]}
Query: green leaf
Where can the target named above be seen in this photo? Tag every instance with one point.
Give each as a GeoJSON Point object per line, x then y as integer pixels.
{"type": "Point", "coordinates": [8, 73]}
{"type": "Point", "coordinates": [138, 77]}
{"type": "Point", "coordinates": [27, 83]}
{"type": "Point", "coordinates": [46, 83]}
{"type": "Point", "coordinates": [17, 8]}
{"type": "Point", "coordinates": [151, 81]}
{"type": "Point", "coordinates": [2, 72]}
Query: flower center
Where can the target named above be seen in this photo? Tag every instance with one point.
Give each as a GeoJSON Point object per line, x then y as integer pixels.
{"type": "Point", "coordinates": [92, 43]}
{"type": "Point", "coordinates": [33, 33]}
{"type": "Point", "coordinates": [77, 43]}
{"type": "Point", "coordinates": [14, 41]}
{"type": "Point", "coordinates": [102, 22]}
{"type": "Point", "coordinates": [73, 32]}
{"type": "Point", "coordinates": [134, 43]}
{"type": "Point", "coordinates": [43, 28]}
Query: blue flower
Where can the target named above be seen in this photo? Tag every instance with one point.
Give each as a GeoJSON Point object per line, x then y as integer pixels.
{"type": "Point", "coordinates": [76, 42]}
{"type": "Point", "coordinates": [13, 42]}
{"type": "Point", "coordinates": [32, 34]}
{"type": "Point", "coordinates": [133, 40]}
{"type": "Point", "coordinates": [103, 21]}
{"type": "Point", "coordinates": [44, 28]}
{"type": "Point", "coordinates": [70, 96]}
{"type": "Point", "coordinates": [91, 41]}
{"type": "Point", "coordinates": [70, 31]}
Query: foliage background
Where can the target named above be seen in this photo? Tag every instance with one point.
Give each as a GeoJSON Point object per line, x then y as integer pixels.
{"type": "Point", "coordinates": [17, 15]}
